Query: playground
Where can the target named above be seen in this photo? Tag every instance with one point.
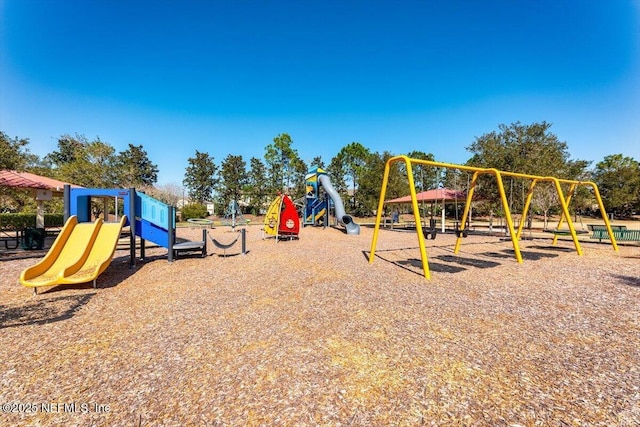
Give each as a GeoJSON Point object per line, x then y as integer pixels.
{"type": "Point", "coordinates": [308, 332]}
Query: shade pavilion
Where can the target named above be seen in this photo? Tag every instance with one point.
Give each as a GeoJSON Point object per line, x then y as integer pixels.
{"type": "Point", "coordinates": [437, 195]}
{"type": "Point", "coordinates": [42, 187]}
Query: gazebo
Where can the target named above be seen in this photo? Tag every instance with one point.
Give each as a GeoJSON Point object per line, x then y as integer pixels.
{"type": "Point", "coordinates": [43, 188]}
{"type": "Point", "coordinates": [443, 195]}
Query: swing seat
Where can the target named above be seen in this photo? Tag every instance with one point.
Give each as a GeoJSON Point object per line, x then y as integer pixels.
{"type": "Point", "coordinates": [564, 232]}
{"type": "Point", "coordinates": [462, 233]}
{"type": "Point", "coordinates": [429, 233]}
{"type": "Point", "coordinates": [225, 246]}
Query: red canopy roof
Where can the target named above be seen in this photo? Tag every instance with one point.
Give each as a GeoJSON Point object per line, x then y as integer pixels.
{"type": "Point", "coordinates": [15, 179]}
{"type": "Point", "coordinates": [436, 195]}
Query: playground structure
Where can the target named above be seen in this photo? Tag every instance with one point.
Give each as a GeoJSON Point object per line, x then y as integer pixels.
{"type": "Point", "coordinates": [153, 220]}
{"type": "Point", "coordinates": [477, 172]}
{"type": "Point", "coordinates": [317, 205]}
{"type": "Point", "coordinates": [233, 215]}
{"type": "Point", "coordinates": [84, 248]}
{"type": "Point", "coordinates": [281, 220]}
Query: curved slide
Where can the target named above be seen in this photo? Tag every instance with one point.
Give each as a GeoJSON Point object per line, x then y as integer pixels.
{"type": "Point", "coordinates": [343, 218]}
{"type": "Point", "coordinates": [80, 253]}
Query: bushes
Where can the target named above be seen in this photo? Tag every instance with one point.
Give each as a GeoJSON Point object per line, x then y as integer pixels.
{"type": "Point", "coordinates": [19, 221]}
{"type": "Point", "coordinates": [194, 210]}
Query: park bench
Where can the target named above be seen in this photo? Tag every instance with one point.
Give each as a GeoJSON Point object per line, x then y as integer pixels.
{"type": "Point", "coordinates": [620, 232]}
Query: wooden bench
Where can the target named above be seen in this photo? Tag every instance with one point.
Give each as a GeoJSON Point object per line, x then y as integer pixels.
{"type": "Point", "coordinates": [620, 232]}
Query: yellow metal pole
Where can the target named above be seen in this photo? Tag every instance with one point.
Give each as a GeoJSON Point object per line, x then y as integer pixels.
{"type": "Point", "coordinates": [569, 196]}
{"type": "Point", "coordinates": [614, 243]}
{"type": "Point", "coordinates": [472, 186]}
{"type": "Point", "coordinates": [507, 213]}
{"type": "Point", "coordinates": [417, 218]}
{"type": "Point", "coordinates": [376, 229]}
{"type": "Point", "coordinates": [525, 209]}
{"type": "Point", "coordinates": [416, 212]}
{"type": "Point", "coordinates": [565, 211]}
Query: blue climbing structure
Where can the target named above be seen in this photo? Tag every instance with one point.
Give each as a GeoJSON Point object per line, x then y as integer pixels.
{"type": "Point", "coordinates": [153, 220]}
{"type": "Point", "coordinates": [317, 203]}
{"type": "Point", "coordinates": [316, 207]}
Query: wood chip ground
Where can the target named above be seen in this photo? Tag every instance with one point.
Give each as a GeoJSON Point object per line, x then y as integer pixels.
{"type": "Point", "coordinates": [308, 333]}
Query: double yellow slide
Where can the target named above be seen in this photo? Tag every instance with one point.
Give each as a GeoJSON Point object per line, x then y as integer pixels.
{"type": "Point", "coordinates": [80, 253]}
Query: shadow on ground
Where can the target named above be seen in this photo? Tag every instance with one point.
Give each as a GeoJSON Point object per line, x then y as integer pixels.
{"type": "Point", "coordinates": [433, 266]}
{"type": "Point", "coordinates": [553, 248]}
{"type": "Point", "coordinates": [414, 265]}
{"type": "Point", "coordinates": [471, 262]}
{"type": "Point", "coordinates": [38, 311]}
{"type": "Point", "coordinates": [535, 256]}
{"type": "Point", "coordinates": [627, 280]}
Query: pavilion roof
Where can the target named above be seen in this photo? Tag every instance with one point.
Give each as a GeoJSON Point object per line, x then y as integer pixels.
{"type": "Point", "coordinates": [27, 180]}
{"type": "Point", "coordinates": [435, 195]}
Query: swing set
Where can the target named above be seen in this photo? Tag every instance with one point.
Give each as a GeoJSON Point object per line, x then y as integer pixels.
{"type": "Point", "coordinates": [477, 172]}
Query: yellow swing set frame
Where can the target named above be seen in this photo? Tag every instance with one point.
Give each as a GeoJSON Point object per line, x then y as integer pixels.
{"type": "Point", "coordinates": [477, 172]}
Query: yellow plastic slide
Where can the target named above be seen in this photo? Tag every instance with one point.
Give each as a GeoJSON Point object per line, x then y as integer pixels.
{"type": "Point", "coordinates": [99, 256]}
{"type": "Point", "coordinates": [80, 253]}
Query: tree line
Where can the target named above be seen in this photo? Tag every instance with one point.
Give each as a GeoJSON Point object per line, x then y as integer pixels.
{"type": "Point", "coordinates": [355, 171]}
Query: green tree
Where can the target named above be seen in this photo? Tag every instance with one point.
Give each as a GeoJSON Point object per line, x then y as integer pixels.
{"type": "Point", "coordinates": [425, 177]}
{"type": "Point", "coordinates": [281, 160]}
{"type": "Point", "coordinates": [200, 177]}
{"type": "Point", "coordinates": [299, 170]}
{"type": "Point", "coordinates": [135, 169]}
{"type": "Point", "coordinates": [193, 210]}
{"type": "Point", "coordinates": [91, 164]}
{"type": "Point", "coordinates": [100, 160]}
{"type": "Point", "coordinates": [528, 149]}
{"type": "Point", "coordinates": [69, 148]}
{"type": "Point", "coordinates": [618, 179]}
{"type": "Point", "coordinates": [337, 174]}
{"type": "Point", "coordinates": [583, 197]}
{"type": "Point", "coordinates": [353, 158]}
{"type": "Point", "coordinates": [256, 188]}
{"type": "Point", "coordinates": [371, 182]}
{"type": "Point", "coordinates": [233, 178]}
{"type": "Point", "coordinates": [14, 154]}
{"type": "Point", "coordinates": [317, 162]}
{"type": "Point", "coordinates": [398, 183]}
{"type": "Point", "coordinates": [87, 163]}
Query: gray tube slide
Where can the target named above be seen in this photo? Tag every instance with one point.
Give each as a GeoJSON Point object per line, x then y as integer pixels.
{"type": "Point", "coordinates": [343, 218]}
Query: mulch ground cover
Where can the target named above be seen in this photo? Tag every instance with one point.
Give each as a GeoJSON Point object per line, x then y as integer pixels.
{"type": "Point", "coordinates": [308, 332]}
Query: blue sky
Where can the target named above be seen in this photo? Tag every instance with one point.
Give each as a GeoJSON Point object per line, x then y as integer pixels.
{"type": "Point", "coordinates": [226, 77]}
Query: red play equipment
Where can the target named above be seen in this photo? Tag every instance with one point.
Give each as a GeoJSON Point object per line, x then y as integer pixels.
{"type": "Point", "coordinates": [282, 218]}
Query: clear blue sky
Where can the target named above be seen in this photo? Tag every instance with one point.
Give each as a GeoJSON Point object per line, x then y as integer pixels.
{"type": "Point", "coordinates": [226, 77]}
